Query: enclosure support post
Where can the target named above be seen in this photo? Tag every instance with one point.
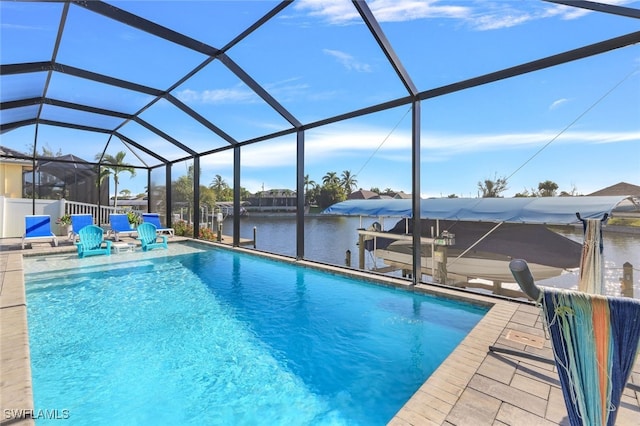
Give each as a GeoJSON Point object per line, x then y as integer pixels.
{"type": "Point", "coordinates": [300, 195]}
{"type": "Point", "coordinates": [236, 196]}
{"type": "Point", "coordinates": [196, 197]}
{"type": "Point", "coordinates": [415, 196]}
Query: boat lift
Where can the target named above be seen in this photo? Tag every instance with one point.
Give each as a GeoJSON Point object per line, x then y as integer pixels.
{"type": "Point", "coordinates": [438, 248]}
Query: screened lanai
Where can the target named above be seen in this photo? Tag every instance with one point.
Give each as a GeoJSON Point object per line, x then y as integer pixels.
{"type": "Point", "coordinates": [258, 96]}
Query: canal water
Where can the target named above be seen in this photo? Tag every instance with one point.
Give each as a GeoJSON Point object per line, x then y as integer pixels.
{"type": "Point", "coordinates": [327, 239]}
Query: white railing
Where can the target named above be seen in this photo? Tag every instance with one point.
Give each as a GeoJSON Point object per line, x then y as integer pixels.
{"type": "Point", "coordinates": [100, 213]}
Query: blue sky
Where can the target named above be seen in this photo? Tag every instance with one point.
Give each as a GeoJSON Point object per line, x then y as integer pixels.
{"type": "Point", "coordinates": [577, 124]}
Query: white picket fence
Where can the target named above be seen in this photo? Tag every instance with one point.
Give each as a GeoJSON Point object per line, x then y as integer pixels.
{"type": "Point", "coordinates": [13, 211]}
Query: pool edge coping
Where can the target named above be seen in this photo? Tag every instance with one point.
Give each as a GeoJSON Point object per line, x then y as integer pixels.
{"type": "Point", "coordinates": [16, 390]}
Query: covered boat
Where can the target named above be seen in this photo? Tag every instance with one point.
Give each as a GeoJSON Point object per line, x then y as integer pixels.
{"type": "Point", "coordinates": [478, 237]}
{"type": "Point", "coordinates": [478, 249]}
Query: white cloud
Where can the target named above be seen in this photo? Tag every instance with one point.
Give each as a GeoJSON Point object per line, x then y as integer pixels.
{"type": "Point", "coordinates": [556, 104]}
{"type": "Point", "coordinates": [333, 11]}
{"type": "Point", "coordinates": [363, 142]}
{"type": "Point", "coordinates": [406, 10]}
{"type": "Point", "coordinates": [480, 16]}
{"type": "Point", "coordinates": [564, 12]}
{"type": "Point", "coordinates": [499, 20]}
{"type": "Point", "coordinates": [273, 163]}
{"type": "Point", "coordinates": [10, 26]}
{"type": "Point", "coordinates": [237, 94]}
{"type": "Point", "coordinates": [240, 94]}
{"type": "Point", "coordinates": [343, 12]}
{"type": "Point", "coordinates": [348, 61]}
{"type": "Point", "coordinates": [288, 89]}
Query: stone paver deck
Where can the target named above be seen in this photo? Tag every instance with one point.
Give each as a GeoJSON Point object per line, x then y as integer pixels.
{"type": "Point", "coordinates": [473, 386]}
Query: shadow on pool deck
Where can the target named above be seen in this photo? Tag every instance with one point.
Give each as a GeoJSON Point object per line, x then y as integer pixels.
{"type": "Point", "coordinates": [473, 386]}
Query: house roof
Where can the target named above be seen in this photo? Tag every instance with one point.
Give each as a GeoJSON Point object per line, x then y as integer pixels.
{"type": "Point", "coordinates": [362, 194]}
{"type": "Point", "coordinates": [8, 156]}
{"type": "Point", "coordinates": [621, 188]}
{"type": "Point", "coordinates": [402, 195]}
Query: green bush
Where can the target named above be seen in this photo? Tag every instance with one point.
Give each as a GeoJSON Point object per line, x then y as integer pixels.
{"type": "Point", "coordinates": [207, 234]}
{"type": "Point", "coordinates": [183, 229]}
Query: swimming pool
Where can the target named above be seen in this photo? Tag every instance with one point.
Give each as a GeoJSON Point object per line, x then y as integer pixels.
{"type": "Point", "coordinates": [212, 336]}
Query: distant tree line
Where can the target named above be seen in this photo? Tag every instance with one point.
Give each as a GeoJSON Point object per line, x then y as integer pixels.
{"type": "Point", "coordinates": [493, 188]}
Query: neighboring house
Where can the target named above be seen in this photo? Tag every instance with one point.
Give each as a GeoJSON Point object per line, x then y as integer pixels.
{"type": "Point", "coordinates": [275, 200]}
{"type": "Point", "coordinates": [363, 194]}
{"type": "Point", "coordinates": [622, 188]}
{"type": "Point", "coordinates": [626, 208]}
{"type": "Point", "coordinates": [11, 170]}
{"type": "Point", "coordinates": [59, 177]}
{"type": "Point", "coordinates": [402, 195]}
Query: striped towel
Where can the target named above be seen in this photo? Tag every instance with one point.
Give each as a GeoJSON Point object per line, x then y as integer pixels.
{"type": "Point", "coordinates": [595, 342]}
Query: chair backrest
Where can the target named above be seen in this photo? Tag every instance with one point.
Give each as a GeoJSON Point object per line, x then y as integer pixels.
{"type": "Point", "coordinates": [153, 218]}
{"type": "Point", "coordinates": [91, 237]}
{"type": "Point", "coordinates": [79, 221]}
{"type": "Point", "coordinates": [37, 226]}
{"type": "Point", "coordinates": [119, 222]}
{"type": "Point", "coordinates": [147, 233]}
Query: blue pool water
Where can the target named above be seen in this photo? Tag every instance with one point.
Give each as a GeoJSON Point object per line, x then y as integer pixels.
{"type": "Point", "coordinates": [217, 337]}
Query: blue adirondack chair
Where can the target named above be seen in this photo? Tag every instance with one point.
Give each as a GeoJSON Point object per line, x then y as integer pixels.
{"type": "Point", "coordinates": [38, 227]}
{"type": "Point", "coordinates": [154, 219]}
{"type": "Point", "coordinates": [79, 221]}
{"type": "Point", "coordinates": [148, 236]}
{"type": "Point", "coordinates": [92, 242]}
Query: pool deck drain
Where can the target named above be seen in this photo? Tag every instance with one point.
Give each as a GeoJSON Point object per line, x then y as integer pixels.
{"type": "Point", "coordinates": [525, 338]}
{"type": "Point", "coordinates": [473, 386]}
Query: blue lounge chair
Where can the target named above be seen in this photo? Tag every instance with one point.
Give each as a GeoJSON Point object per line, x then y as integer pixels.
{"type": "Point", "coordinates": [148, 236]}
{"type": "Point", "coordinates": [79, 221]}
{"type": "Point", "coordinates": [154, 219]}
{"type": "Point", "coordinates": [120, 225]}
{"type": "Point", "coordinates": [92, 242]}
{"type": "Point", "coordinates": [38, 227]}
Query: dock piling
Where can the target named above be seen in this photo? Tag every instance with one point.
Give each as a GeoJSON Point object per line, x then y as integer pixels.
{"type": "Point", "coordinates": [626, 282]}
{"type": "Point", "coordinates": [360, 250]}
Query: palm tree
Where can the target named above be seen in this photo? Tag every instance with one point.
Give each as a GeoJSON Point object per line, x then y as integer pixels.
{"type": "Point", "coordinates": [287, 194]}
{"type": "Point", "coordinates": [183, 189]}
{"type": "Point", "coordinates": [218, 184]}
{"type": "Point", "coordinates": [348, 181]}
{"type": "Point", "coordinates": [308, 182]}
{"type": "Point", "coordinates": [331, 178]}
{"type": "Point", "coordinates": [110, 165]}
